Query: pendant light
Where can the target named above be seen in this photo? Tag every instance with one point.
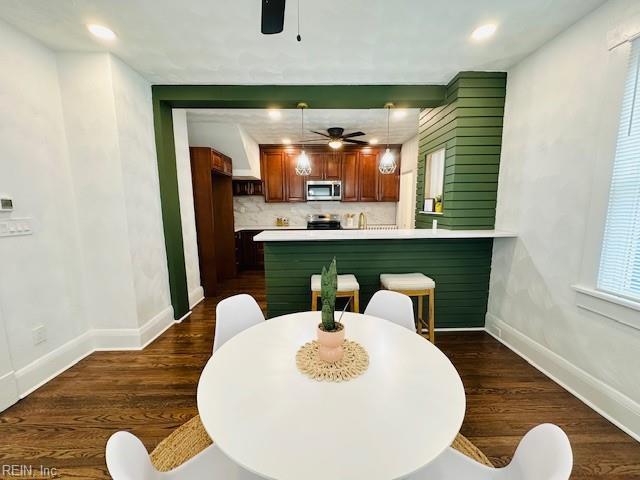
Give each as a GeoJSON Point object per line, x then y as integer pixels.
{"type": "Point", "coordinates": [303, 165]}
{"type": "Point", "coordinates": [388, 163]}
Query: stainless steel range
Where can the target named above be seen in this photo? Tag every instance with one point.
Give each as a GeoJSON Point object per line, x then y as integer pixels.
{"type": "Point", "coordinates": [324, 222]}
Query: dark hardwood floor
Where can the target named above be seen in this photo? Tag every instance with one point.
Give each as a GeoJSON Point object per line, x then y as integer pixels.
{"type": "Point", "coordinates": [66, 423]}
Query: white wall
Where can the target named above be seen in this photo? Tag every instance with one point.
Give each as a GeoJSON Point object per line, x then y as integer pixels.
{"type": "Point", "coordinates": [561, 119]}
{"type": "Point", "coordinates": [91, 129]}
{"type": "Point", "coordinates": [406, 216]}
{"type": "Point", "coordinates": [230, 139]}
{"type": "Point", "coordinates": [77, 154]}
{"type": "Point", "coordinates": [187, 213]}
{"type": "Point", "coordinates": [41, 275]}
{"type": "Point", "coordinates": [136, 142]}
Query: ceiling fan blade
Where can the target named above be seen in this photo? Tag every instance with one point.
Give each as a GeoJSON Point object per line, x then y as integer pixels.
{"type": "Point", "coordinates": [272, 16]}
{"type": "Point", "coordinates": [357, 142]}
{"type": "Point", "coordinates": [354, 134]}
{"type": "Point", "coordinates": [320, 133]}
{"type": "Point", "coordinates": [314, 140]}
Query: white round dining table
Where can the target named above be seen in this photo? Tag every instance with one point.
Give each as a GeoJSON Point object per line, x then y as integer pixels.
{"type": "Point", "coordinates": [398, 416]}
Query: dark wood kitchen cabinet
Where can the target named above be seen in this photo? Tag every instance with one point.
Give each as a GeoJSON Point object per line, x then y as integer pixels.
{"type": "Point", "coordinates": [368, 176]}
{"type": "Point", "coordinates": [250, 254]}
{"type": "Point", "coordinates": [389, 185]}
{"type": "Point", "coordinates": [356, 167]}
{"type": "Point", "coordinates": [316, 159]}
{"type": "Point", "coordinates": [295, 184]}
{"type": "Point", "coordinates": [333, 167]}
{"type": "Point", "coordinates": [350, 177]}
{"type": "Point", "coordinates": [272, 170]}
{"type": "Point", "coordinates": [213, 206]}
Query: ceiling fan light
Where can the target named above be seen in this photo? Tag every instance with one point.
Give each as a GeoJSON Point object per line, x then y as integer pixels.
{"type": "Point", "coordinates": [388, 163]}
{"type": "Point", "coordinates": [335, 144]}
{"type": "Point", "coordinates": [303, 165]}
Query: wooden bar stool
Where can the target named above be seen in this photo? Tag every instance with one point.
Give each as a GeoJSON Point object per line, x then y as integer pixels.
{"type": "Point", "coordinates": [348, 286]}
{"type": "Point", "coordinates": [414, 285]}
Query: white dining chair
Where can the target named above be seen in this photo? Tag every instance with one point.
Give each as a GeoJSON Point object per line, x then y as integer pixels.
{"type": "Point", "coordinates": [127, 459]}
{"type": "Point", "coordinates": [393, 306]}
{"type": "Point", "coordinates": [233, 315]}
{"type": "Point", "coordinates": [544, 453]}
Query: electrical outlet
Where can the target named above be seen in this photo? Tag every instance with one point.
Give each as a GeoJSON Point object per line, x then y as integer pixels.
{"type": "Point", "coordinates": [39, 334]}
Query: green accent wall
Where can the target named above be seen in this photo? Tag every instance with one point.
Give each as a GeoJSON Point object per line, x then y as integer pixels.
{"type": "Point", "coordinates": [469, 126]}
{"type": "Point", "coordinates": [460, 268]}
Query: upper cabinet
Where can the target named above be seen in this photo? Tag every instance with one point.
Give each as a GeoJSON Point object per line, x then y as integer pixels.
{"type": "Point", "coordinates": [272, 169]}
{"type": "Point", "coordinates": [295, 186]}
{"type": "Point", "coordinates": [350, 177]}
{"type": "Point", "coordinates": [333, 166]}
{"type": "Point", "coordinates": [356, 167]}
{"type": "Point", "coordinates": [368, 172]}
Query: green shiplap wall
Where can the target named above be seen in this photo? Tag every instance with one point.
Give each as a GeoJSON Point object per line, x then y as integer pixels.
{"type": "Point", "coordinates": [460, 268]}
{"type": "Point", "coordinates": [469, 126]}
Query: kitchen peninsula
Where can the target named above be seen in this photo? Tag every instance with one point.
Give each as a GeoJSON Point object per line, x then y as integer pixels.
{"type": "Point", "coordinates": [458, 260]}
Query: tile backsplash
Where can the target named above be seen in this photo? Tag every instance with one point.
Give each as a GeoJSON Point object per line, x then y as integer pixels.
{"type": "Point", "coordinates": [253, 210]}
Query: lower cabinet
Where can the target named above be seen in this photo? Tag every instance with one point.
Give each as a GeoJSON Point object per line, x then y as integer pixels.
{"type": "Point", "coordinates": [249, 254]}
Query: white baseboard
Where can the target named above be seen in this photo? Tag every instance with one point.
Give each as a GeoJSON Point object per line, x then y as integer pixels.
{"type": "Point", "coordinates": [49, 366]}
{"type": "Point", "coordinates": [616, 407]}
{"type": "Point", "coordinates": [196, 296]}
{"type": "Point", "coordinates": [459, 329]}
{"type": "Point", "coordinates": [8, 390]}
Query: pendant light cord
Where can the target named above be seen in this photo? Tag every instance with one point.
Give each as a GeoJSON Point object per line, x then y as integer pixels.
{"type": "Point", "coordinates": [388, 115]}
{"type": "Point", "coordinates": [298, 37]}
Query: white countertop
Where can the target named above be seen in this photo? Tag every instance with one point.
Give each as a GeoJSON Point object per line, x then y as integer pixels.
{"type": "Point", "coordinates": [320, 235]}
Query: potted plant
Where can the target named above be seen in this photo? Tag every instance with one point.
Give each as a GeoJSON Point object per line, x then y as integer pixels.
{"type": "Point", "coordinates": [330, 332]}
{"type": "Point", "coordinates": [438, 205]}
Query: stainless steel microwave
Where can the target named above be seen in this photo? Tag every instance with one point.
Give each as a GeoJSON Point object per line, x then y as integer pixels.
{"type": "Point", "coordinates": [324, 190]}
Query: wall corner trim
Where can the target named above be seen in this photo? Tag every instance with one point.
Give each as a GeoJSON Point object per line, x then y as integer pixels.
{"type": "Point", "coordinates": [613, 405]}
{"type": "Point", "coordinates": [195, 297]}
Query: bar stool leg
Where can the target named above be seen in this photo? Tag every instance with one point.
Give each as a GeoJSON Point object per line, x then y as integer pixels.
{"type": "Point", "coordinates": [432, 316]}
{"type": "Point", "coordinates": [356, 301]}
{"type": "Point", "coordinates": [314, 301]}
{"type": "Point", "coordinates": [420, 313]}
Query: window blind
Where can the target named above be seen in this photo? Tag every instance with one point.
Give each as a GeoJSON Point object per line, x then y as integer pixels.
{"type": "Point", "coordinates": [619, 272]}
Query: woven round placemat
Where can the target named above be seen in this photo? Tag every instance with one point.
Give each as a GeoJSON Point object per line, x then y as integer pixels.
{"type": "Point", "coordinates": [354, 362]}
{"type": "Point", "coordinates": [188, 440]}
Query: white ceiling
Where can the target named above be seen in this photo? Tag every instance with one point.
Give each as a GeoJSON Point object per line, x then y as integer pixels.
{"type": "Point", "coordinates": [403, 124]}
{"type": "Point", "coordinates": [343, 42]}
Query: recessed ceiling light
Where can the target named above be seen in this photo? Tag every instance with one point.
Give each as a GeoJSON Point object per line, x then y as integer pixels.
{"type": "Point", "coordinates": [275, 114]}
{"type": "Point", "coordinates": [286, 141]}
{"type": "Point", "coordinates": [373, 141]}
{"type": "Point", "coordinates": [101, 31]}
{"type": "Point", "coordinates": [484, 31]}
{"type": "Point", "coordinates": [399, 113]}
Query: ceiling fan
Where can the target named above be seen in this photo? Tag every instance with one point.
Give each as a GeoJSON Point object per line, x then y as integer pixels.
{"type": "Point", "coordinates": [337, 137]}
{"type": "Point", "coordinates": [272, 16]}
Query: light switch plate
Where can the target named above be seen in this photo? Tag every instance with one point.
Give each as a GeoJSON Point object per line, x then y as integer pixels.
{"type": "Point", "coordinates": [14, 227]}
